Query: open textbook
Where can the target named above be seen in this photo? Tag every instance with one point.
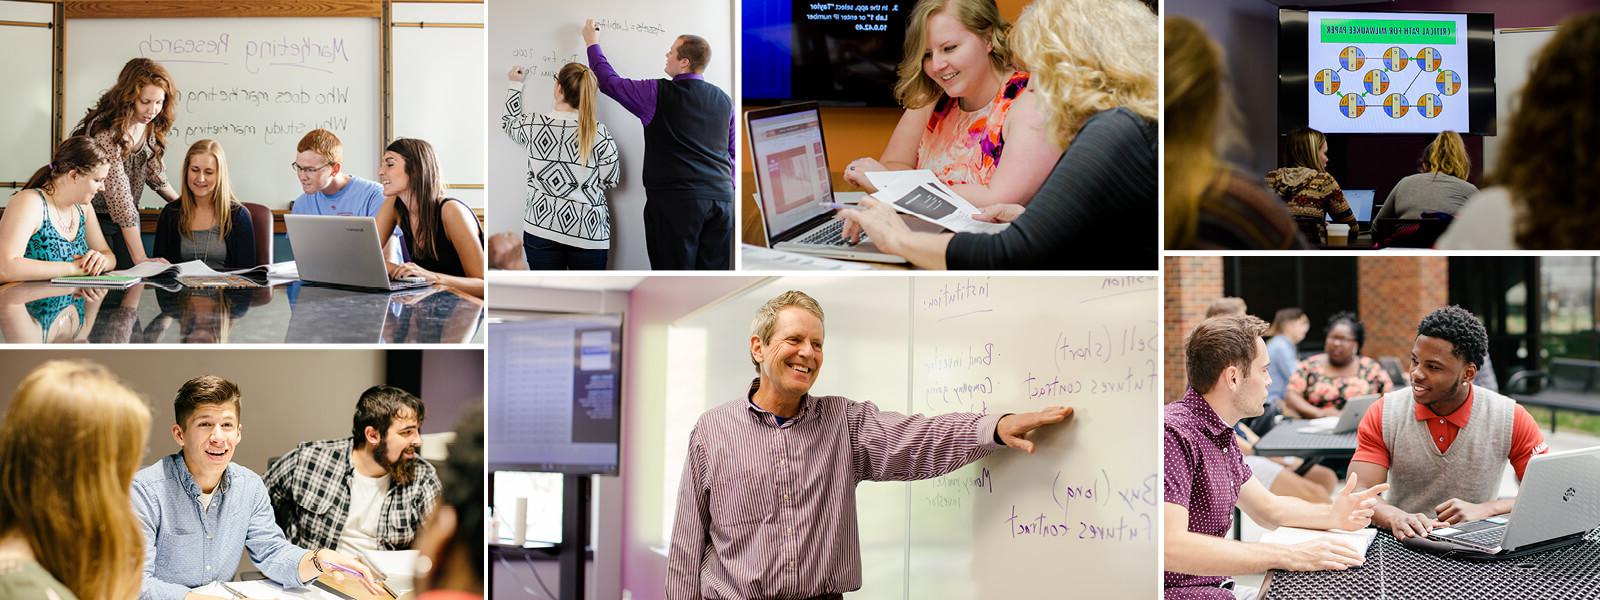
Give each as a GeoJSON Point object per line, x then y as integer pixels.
{"type": "Point", "coordinates": [196, 274]}
{"type": "Point", "coordinates": [919, 193]}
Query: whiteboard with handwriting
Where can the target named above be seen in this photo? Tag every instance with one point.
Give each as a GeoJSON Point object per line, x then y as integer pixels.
{"type": "Point", "coordinates": [543, 37]}
{"type": "Point", "coordinates": [26, 102]}
{"type": "Point", "coordinates": [256, 85]}
{"type": "Point", "coordinates": [1076, 519]}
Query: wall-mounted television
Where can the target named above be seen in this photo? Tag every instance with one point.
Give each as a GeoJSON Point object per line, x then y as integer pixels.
{"type": "Point", "coordinates": [835, 54]}
{"type": "Point", "coordinates": [555, 385]}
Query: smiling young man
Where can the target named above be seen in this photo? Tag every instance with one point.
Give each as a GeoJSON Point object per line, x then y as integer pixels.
{"type": "Point", "coordinates": [370, 491]}
{"type": "Point", "coordinates": [1443, 443]}
{"type": "Point", "coordinates": [766, 507]}
{"type": "Point", "coordinates": [328, 190]}
{"type": "Point", "coordinates": [199, 511]}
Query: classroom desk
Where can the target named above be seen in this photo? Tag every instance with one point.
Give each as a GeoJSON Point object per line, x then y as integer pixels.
{"type": "Point", "coordinates": [1394, 571]}
{"type": "Point", "coordinates": [1285, 439]}
{"type": "Point", "coordinates": [37, 312]}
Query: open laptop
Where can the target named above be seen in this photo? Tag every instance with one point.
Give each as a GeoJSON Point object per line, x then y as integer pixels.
{"type": "Point", "coordinates": [792, 185]}
{"type": "Point", "coordinates": [344, 251]}
{"type": "Point", "coordinates": [1349, 418]}
{"type": "Point", "coordinates": [1559, 502]}
{"type": "Point", "coordinates": [1361, 202]}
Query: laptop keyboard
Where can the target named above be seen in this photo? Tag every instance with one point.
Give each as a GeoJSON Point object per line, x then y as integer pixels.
{"type": "Point", "coordinates": [829, 234]}
{"type": "Point", "coordinates": [1487, 538]}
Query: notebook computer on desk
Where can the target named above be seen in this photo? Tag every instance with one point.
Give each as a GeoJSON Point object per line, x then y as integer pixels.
{"type": "Point", "coordinates": [793, 185]}
{"type": "Point", "coordinates": [343, 251]}
{"type": "Point", "coordinates": [1361, 203]}
{"type": "Point", "coordinates": [1558, 504]}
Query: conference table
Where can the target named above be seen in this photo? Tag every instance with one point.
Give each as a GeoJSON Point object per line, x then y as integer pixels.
{"type": "Point", "coordinates": [287, 312]}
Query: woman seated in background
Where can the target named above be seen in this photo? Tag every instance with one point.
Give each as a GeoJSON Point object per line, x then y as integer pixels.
{"type": "Point", "coordinates": [971, 116]}
{"type": "Point", "coordinates": [207, 223]}
{"type": "Point", "coordinates": [1209, 204]}
{"type": "Point", "coordinates": [46, 232]}
{"type": "Point", "coordinates": [1440, 187]}
{"type": "Point", "coordinates": [71, 440]}
{"type": "Point", "coordinates": [442, 242]}
{"type": "Point", "coordinates": [1304, 183]}
{"type": "Point", "coordinates": [1097, 87]}
{"type": "Point", "coordinates": [1545, 182]}
{"type": "Point", "coordinates": [1323, 383]}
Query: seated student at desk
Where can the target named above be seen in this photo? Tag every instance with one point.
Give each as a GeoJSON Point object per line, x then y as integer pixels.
{"type": "Point", "coordinates": [1324, 382]}
{"type": "Point", "coordinates": [370, 491]}
{"type": "Point", "coordinates": [1205, 475]}
{"type": "Point", "coordinates": [1443, 443]}
{"type": "Point", "coordinates": [200, 511]}
{"type": "Point", "coordinates": [1306, 186]}
{"type": "Point", "coordinates": [440, 236]}
{"type": "Point", "coordinates": [1441, 187]}
{"type": "Point", "coordinates": [1094, 207]}
{"type": "Point", "coordinates": [207, 223]}
{"type": "Point", "coordinates": [69, 445]}
{"type": "Point", "coordinates": [329, 190]}
{"type": "Point", "coordinates": [45, 232]}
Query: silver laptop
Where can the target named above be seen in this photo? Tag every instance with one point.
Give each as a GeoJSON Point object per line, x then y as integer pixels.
{"type": "Point", "coordinates": [793, 185]}
{"type": "Point", "coordinates": [1559, 502]}
{"type": "Point", "coordinates": [1354, 409]}
{"type": "Point", "coordinates": [342, 250]}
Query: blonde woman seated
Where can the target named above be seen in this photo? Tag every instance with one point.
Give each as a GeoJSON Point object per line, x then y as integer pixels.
{"type": "Point", "coordinates": [207, 223]}
{"type": "Point", "coordinates": [46, 231]}
{"type": "Point", "coordinates": [967, 108]}
{"type": "Point", "coordinates": [1442, 185]}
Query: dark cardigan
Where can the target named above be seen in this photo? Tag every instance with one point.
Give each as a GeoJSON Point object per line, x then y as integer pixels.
{"type": "Point", "coordinates": [240, 243]}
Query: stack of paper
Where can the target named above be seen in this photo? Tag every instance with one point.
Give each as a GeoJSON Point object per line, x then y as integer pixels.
{"type": "Point", "coordinates": [919, 193]}
{"type": "Point", "coordinates": [1289, 536]}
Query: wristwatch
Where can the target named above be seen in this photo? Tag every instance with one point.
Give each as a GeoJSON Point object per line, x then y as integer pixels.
{"type": "Point", "coordinates": [317, 562]}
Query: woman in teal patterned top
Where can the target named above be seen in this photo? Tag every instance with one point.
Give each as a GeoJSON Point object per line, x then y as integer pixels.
{"type": "Point", "coordinates": [44, 233]}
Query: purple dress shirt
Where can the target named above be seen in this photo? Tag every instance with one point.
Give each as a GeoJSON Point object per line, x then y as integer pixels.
{"type": "Point", "coordinates": [1204, 472]}
{"type": "Point", "coordinates": [639, 95]}
{"type": "Point", "coordinates": [769, 511]}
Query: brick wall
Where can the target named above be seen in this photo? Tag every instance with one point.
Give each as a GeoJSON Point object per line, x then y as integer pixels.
{"type": "Point", "coordinates": [1192, 282]}
{"type": "Point", "coordinates": [1395, 293]}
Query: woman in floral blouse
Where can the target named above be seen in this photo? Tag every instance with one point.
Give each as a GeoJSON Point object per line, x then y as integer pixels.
{"type": "Point", "coordinates": [1324, 382]}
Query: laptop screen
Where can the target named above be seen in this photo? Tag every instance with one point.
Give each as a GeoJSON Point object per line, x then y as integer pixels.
{"type": "Point", "coordinates": [791, 166]}
{"type": "Point", "coordinates": [1360, 203]}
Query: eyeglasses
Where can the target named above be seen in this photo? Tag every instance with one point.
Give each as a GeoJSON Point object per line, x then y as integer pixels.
{"type": "Point", "coordinates": [307, 170]}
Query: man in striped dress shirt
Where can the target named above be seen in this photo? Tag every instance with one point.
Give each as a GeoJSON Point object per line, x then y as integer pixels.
{"type": "Point", "coordinates": [766, 508]}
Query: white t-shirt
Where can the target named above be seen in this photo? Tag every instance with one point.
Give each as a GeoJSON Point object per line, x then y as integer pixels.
{"type": "Point", "coordinates": [366, 507]}
{"type": "Point", "coordinates": [205, 501]}
{"type": "Point", "coordinates": [1487, 222]}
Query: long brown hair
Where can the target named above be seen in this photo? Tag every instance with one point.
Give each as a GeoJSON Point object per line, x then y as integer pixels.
{"type": "Point", "coordinates": [76, 154]}
{"type": "Point", "coordinates": [982, 17]}
{"type": "Point", "coordinates": [1447, 154]}
{"type": "Point", "coordinates": [1549, 154]}
{"type": "Point", "coordinates": [579, 89]}
{"type": "Point", "coordinates": [222, 199]}
{"type": "Point", "coordinates": [1305, 149]}
{"type": "Point", "coordinates": [115, 108]}
{"type": "Point", "coordinates": [69, 446]}
{"type": "Point", "coordinates": [422, 171]}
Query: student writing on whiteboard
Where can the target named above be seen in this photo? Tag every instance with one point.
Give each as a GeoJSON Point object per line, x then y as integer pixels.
{"type": "Point", "coordinates": [328, 188]}
{"type": "Point", "coordinates": [688, 154]}
{"type": "Point", "coordinates": [769, 483]}
{"type": "Point", "coordinates": [207, 223]}
{"type": "Point", "coordinates": [1205, 475]}
{"type": "Point", "coordinates": [133, 119]}
{"type": "Point", "coordinates": [67, 528]}
{"type": "Point", "coordinates": [1091, 209]}
{"type": "Point", "coordinates": [970, 115]}
{"type": "Point", "coordinates": [567, 223]}
{"type": "Point", "coordinates": [199, 490]}
{"type": "Point", "coordinates": [45, 232]}
{"type": "Point", "coordinates": [440, 237]}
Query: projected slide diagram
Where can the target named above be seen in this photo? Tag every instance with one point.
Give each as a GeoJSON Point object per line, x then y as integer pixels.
{"type": "Point", "coordinates": [1387, 73]}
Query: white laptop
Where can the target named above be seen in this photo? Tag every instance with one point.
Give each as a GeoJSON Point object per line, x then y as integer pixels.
{"type": "Point", "coordinates": [1349, 418]}
{"type": "Point", "coordinates": [793, 185]}
{"type": "Point", "coordinates": [344, 251]}
{"type": "Point", "coordinates": [1558, 503]}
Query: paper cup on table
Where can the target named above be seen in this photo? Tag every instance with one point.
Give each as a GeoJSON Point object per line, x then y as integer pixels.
{"type": "Point", "coordinates": [1338, 234]}
{"type": "Point", "coordinates": [519, 522]}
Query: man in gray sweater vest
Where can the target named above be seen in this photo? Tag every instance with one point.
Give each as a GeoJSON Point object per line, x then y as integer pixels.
{"type": "Point", "coordinates": [1443, 443]}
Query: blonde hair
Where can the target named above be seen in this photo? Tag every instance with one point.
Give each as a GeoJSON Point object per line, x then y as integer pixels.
{"type": "Point", "coordinates": [1195, 93]}
{"type": "Point", "coordinates": [982, 17]}
{"type": "Point", "coordinates": [1086, 56]}
{"type": "Point", "coordinates": [767, 316]}
{"type": "Point", "coordinates": [222, 199]}
{"type": "Point", "coordinates": [1447, 154]}
{"type": "Point", "coordinates": [579, 89]}
{"type": "Point", "coordinates": [70, 443]}
{"type": "Point", "coordinates": [1305, 149]}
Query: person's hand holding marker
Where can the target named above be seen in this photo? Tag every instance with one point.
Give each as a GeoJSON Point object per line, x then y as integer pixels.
{"type": "Point", "coordinates": [591, 33]}
{"type": "Point", "coordinates": [517, 74]}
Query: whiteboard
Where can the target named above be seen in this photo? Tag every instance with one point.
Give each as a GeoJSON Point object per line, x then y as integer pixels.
{"type": "Point", "coordinates": [256, 85]}
{"type": "Point", "coordinates": [1085, 504]}
{"type": "Point", "coordinates": [1514, 53]}
{"type": "Point", "coordinates": [26, 101]}
{"type": "Point", "coordinates": [438, 90]}
{"type": "Point", "coordinates": [635, 36]}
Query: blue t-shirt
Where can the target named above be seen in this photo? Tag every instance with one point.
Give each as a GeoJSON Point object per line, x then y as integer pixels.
{"type": "Point", "coordinates": [360, 197]}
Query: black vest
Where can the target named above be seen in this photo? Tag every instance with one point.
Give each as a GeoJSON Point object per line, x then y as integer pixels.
{"type": "Point", "coordinates": [686, 142]}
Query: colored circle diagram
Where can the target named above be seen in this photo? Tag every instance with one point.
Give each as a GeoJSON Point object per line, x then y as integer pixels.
{"type": "Point", "coordinates": [1448, 82]}
{"type": "Point", "coordinates": [1377, 82]}
{"type": "Point", "coordinates": [1430, 105]}
{"type": "Point", "coordinates": [1351, 58]}
{"type": "Point", "coordinates": [1429, 59]}
{"type": "Point", "coordinates": [1352, 105]}
{"type": "Point", "coordinates": [1395, 59]}
{"type": "Point", "coordinates": [1327, 82]}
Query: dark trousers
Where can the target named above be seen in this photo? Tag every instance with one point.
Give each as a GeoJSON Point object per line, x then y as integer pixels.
{"type": "Point", "coordinates": [688, 229]}
{"type": "Point", "coordinates": [113, 235]}
{"type": "Point", "coordinates": [546, 255]}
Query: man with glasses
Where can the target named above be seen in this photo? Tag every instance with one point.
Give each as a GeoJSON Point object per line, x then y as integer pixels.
{"type": "Point", "coordinates": [318, 163]}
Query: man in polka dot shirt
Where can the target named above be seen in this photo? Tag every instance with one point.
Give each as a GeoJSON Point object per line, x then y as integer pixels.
{"type": "Point", "coordinates": [1226, 362]}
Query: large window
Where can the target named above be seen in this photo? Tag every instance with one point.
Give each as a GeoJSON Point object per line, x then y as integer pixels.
{"type": "Point", "coordinates": [1321, 285]}
{"type": "Point", "coordinates": [1567, 294]}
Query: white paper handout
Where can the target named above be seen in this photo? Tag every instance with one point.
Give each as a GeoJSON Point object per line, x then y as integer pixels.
{"type": "Point", "coordinates": [919, 193]}
{"type": "Point", "coordinates": [1319, 425]}
{"type": "Point", "coordinates": [192, 268]}
{"type": "Point", "coordinates": [1288, 536]}
{"type": "Point", "coordinates": [758, 258]}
